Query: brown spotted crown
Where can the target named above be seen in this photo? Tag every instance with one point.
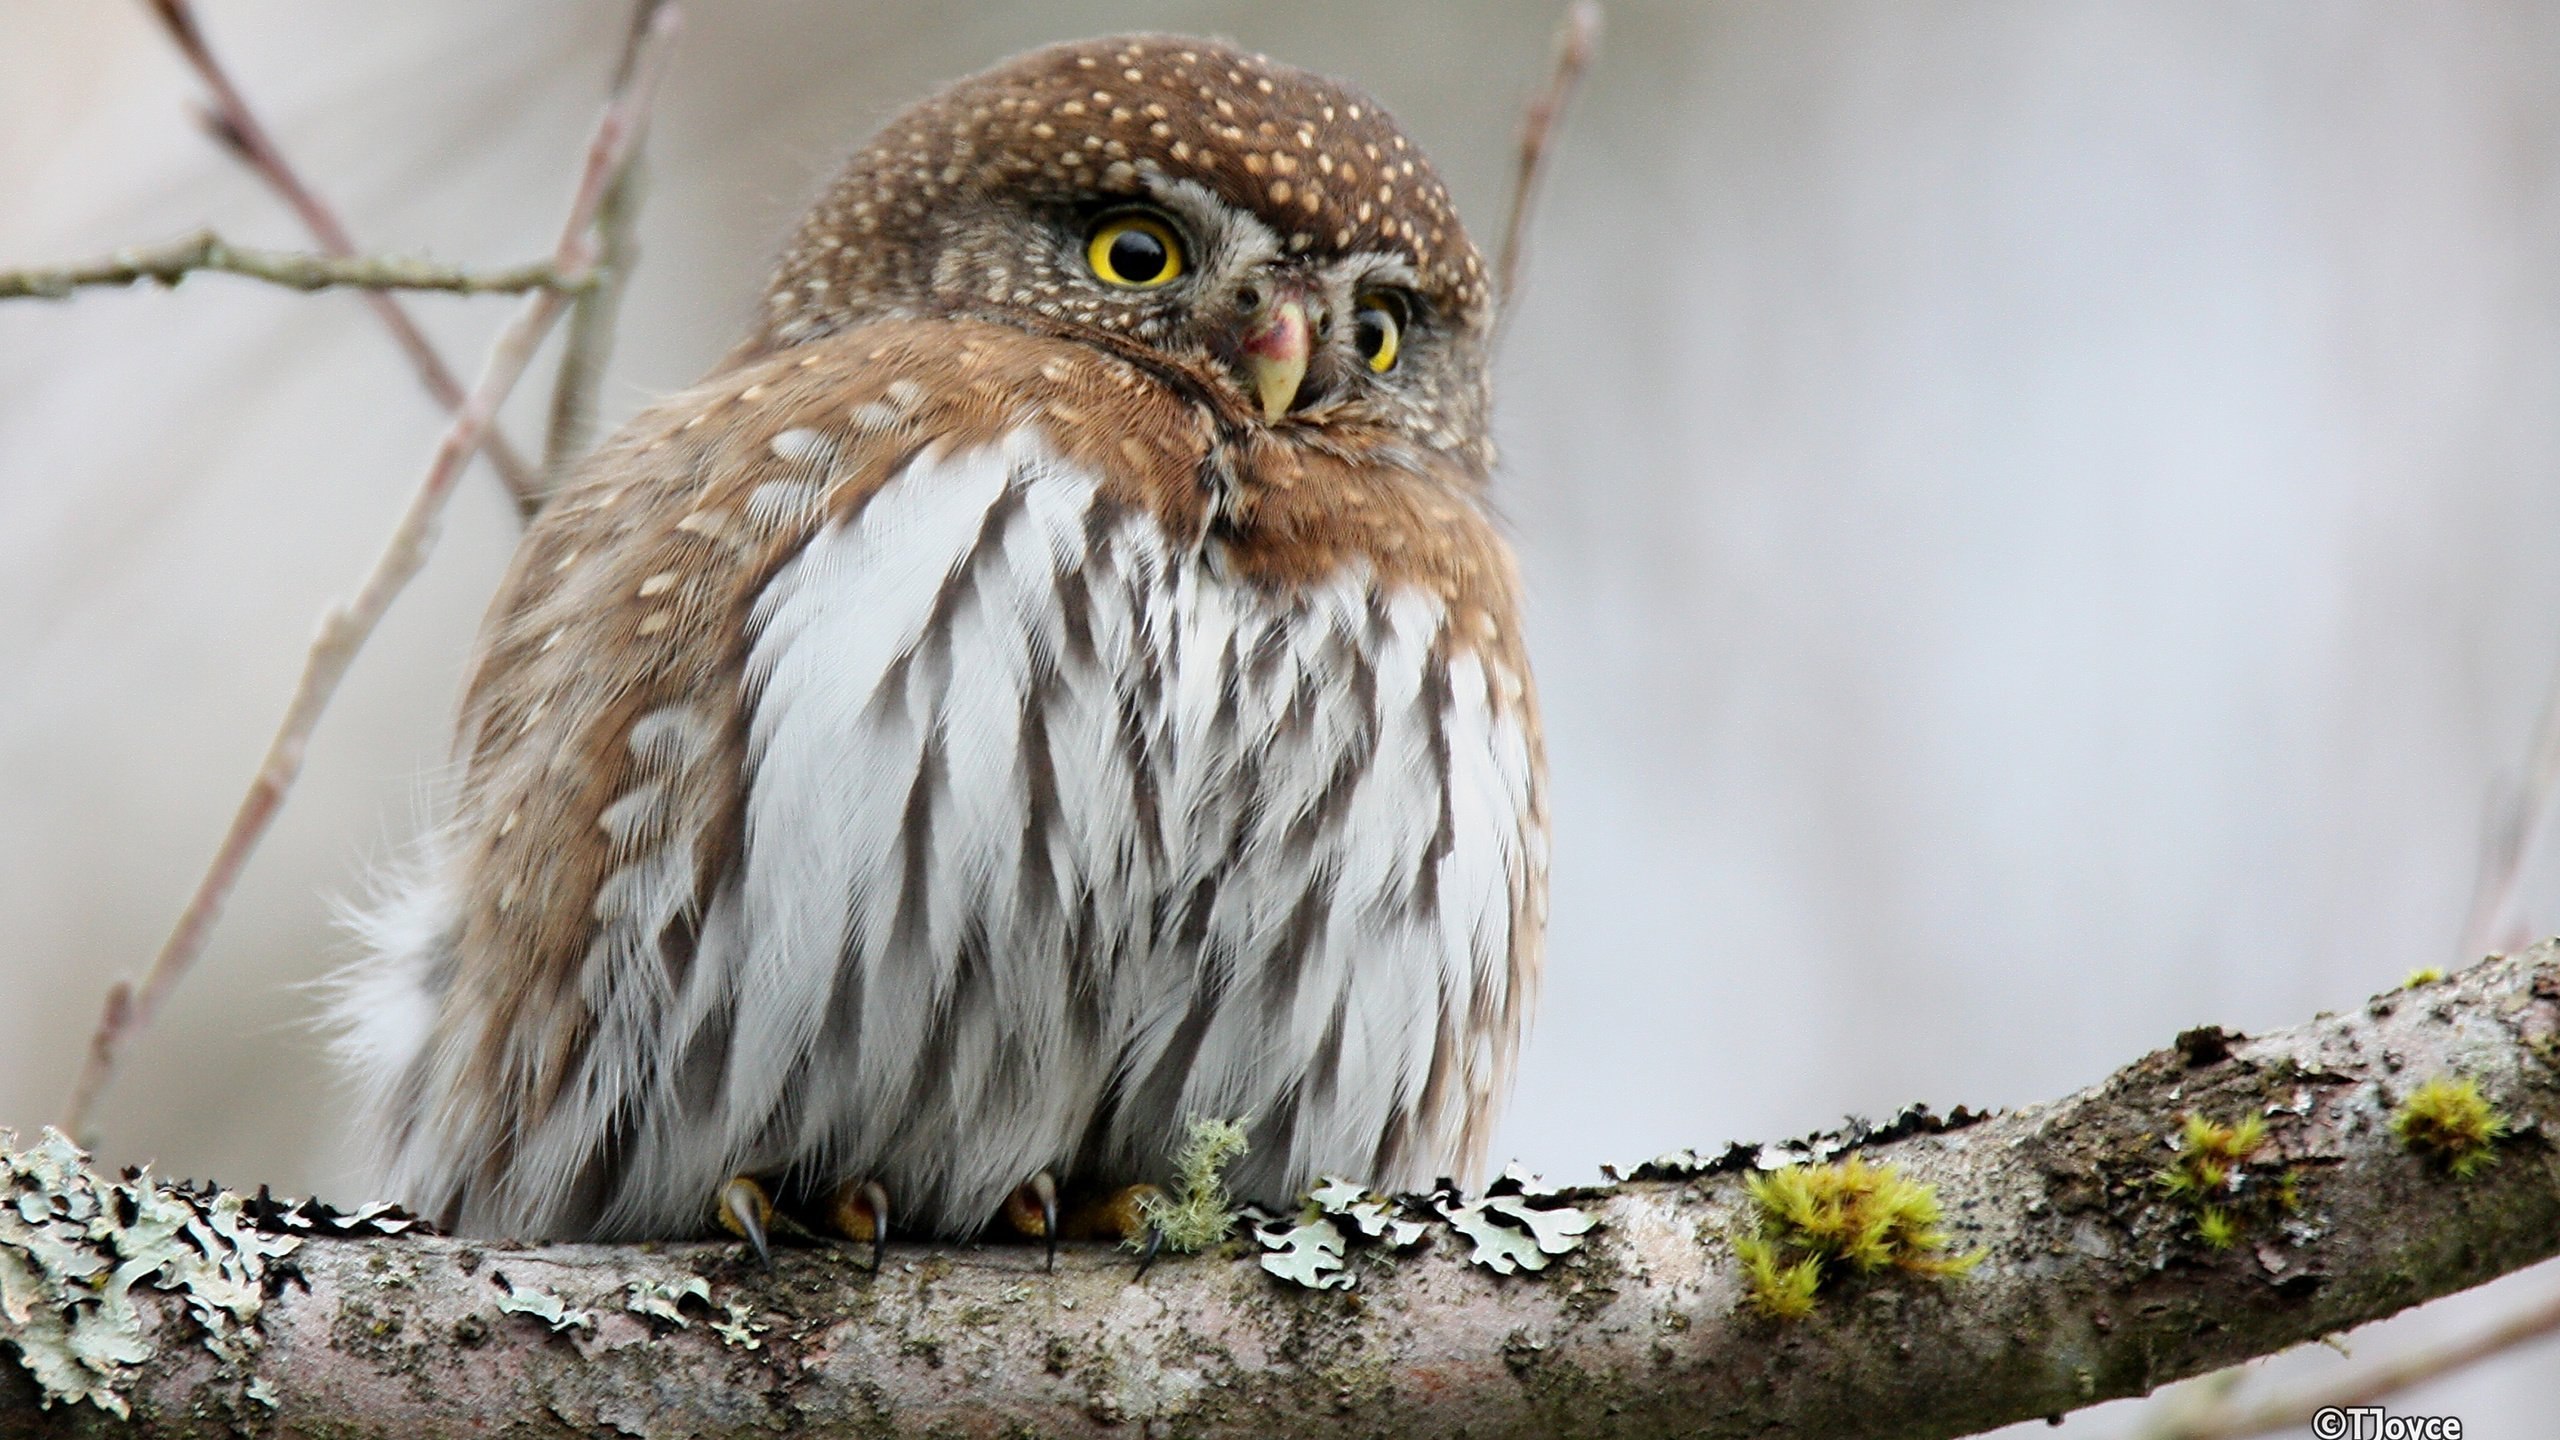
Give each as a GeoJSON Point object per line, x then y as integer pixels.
{"type": "Point", "coordinates": [917, 222]}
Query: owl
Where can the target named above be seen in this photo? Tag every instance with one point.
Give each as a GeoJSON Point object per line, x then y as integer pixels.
{"type": "Point", "coordinates": [1057, 679]}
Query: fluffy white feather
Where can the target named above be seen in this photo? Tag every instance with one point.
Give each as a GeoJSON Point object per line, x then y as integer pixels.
{"type": "Point", "coordinates": [1057, 834]}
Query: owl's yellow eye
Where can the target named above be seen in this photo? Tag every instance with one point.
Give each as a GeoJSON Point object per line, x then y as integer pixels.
{"type": "Point", "coordinates": [1134, 252]}
{"type": "Point", "coordinates": [1377, 327]}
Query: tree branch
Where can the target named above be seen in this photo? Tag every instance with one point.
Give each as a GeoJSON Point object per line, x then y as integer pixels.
{"type": "Point", "coordinates": [237, 128]}
{"type": "Point", "coordinates": [2092, 1284]}
{"type": "Point", "coordinates": [168, 263]}
{"type": "Point", "coordinates": [599, 307]}
{"type": "Point", "coordinates": [2518, 814]}
{"type": "Point", "coordinates": [344, 629]}
{"type": "Point", "coordinates": [1577, 36]}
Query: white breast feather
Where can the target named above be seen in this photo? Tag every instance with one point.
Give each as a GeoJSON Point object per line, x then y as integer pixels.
{"type": "Point", "coordinates": [1057, 836]}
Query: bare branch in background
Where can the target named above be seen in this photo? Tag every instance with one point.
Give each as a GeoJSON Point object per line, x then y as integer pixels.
{"type": "Point", "coordinates": [172, 261]}
{"type": "Point", "coordinates": [344, 629]}
{"type": "Point", "coordinates": [2493, 923]}
{"type": "Point", "coordinates": [239, 130]}
{"type": "Point", "coordinates": [2094, 1281]}
{"type": "Point", "coordinates": [1577, 36]}
{"type": "Point", "coordinates": [2375, 1384]}
{"type": "Point", "coordinates": [592, 319]}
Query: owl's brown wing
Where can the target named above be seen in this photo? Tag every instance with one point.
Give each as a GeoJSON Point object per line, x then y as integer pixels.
{"type": "Point", "coordinates": [534, 1022]}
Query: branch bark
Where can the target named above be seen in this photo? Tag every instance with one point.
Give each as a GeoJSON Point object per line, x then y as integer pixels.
{"type": "Point", "coordinates": [2092, 1284]}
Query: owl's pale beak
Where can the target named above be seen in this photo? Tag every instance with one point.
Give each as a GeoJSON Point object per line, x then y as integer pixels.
{"type": "Point", "coordinates": [1275, 356]}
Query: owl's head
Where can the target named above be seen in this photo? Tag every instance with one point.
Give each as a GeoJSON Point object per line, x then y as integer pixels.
{"type": "Point", "coordinates": [1235, 224]}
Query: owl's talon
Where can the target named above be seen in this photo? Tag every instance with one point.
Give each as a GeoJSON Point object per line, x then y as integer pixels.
{"type": "Point", "coordinates": [860, 1211]}
{"type": "Point", "coordinates": [1032, 1210]}
{"type": "Point", "coordinates": [745, 1210]}
{"type": "Point", "coordinates": [1148, 1248]}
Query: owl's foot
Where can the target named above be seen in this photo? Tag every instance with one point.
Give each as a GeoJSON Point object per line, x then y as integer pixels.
{"type": "Point", "coordinates": [746, 1211]}
{"type": "Point", "coordinates": [1149, 1247]}
{"type": "Point", "coordinates": [859, 1211]}
{"type": "Point", "coordinates": [1120, 1215]}
{"type": "Point", "coordinates": [1032, 1211]}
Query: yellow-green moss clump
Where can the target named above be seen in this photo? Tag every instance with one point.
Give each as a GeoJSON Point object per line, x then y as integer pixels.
{"type": "Point", "coordinates": [2425, 975]}
{"type": "Point", "coordinates": [1817, 1220]}
{"type": "Point", "coordinates": [1197, 1214]}
{"type": "Point", "coordinates": [2452, 1125]}
{"type": "Point", "coordinates": [2212, 1178]}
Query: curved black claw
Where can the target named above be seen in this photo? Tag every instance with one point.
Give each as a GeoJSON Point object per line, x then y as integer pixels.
{"type": "Point", "coordinates": [858, 1210]}
{"type": "Point", "coordinates": [744, 1209]}
{"type": "Point", "coordinates": [1148, 1250]}
{"type": "Point", "coordinates": [1045, 1186]}
{"type": "Point", "coordinates": [875, 1195]}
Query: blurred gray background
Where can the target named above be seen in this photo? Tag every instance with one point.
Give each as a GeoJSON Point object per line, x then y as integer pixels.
{"type": "Point", "coordinates": [2038, 516]}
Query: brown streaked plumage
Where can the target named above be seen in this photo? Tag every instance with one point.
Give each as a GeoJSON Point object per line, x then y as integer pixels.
{"type": "Point", "coordinates": [981, 726]}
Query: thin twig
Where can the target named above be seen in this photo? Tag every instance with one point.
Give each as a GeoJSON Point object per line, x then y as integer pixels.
{"type": "Point", "coordinates": [591, 321]}
{"type": "Point", "coordinates": [1577, 36]}
{"type": "Point", "coordinates": [168, 263]}
{"type": "Point", "coordinates": [2372, 1385]}
{"type": "Point", "coordinates": [2492, 924]}
{"type": "Point", "coordinates": [239, 130]}
{"type": "Point", "coordinates": [344, 629]}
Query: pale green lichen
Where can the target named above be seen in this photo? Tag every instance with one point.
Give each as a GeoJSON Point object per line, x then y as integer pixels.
{"type": "Point", "coordinates": [72, 1248]}
{"type": "Point", "coordinates": [1309, 1253]}
{"type": "Point", "coordinates": [1197, 1213]}
{"type": "Point", "coordinates": [1816, 1221]}
{"type": "Point", "coordinates": [1369, 1215]}
{"type": "Point", "coordinates": [1312, 1251]}
{"type": "Point", "coordinates": [740, 1328]}
{"type": "Point", "coordinates": [663, 1300]}
{"type": "Point", "coordinates": [552, 1310]}
{"type": "Point", "coordinates": [1517, 1226]}
{"type": "Point", "coordinates": [2452, 1124]}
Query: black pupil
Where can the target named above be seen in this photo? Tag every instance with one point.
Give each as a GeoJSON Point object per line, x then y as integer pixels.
{"type": "Point", "coordinates": [1371, 331]}
{"type": "Point", "coordinates": [1137, 256]}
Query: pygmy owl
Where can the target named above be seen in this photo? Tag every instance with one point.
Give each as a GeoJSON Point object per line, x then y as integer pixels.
{"type": "Point", "coordinates": [1057, 678]}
